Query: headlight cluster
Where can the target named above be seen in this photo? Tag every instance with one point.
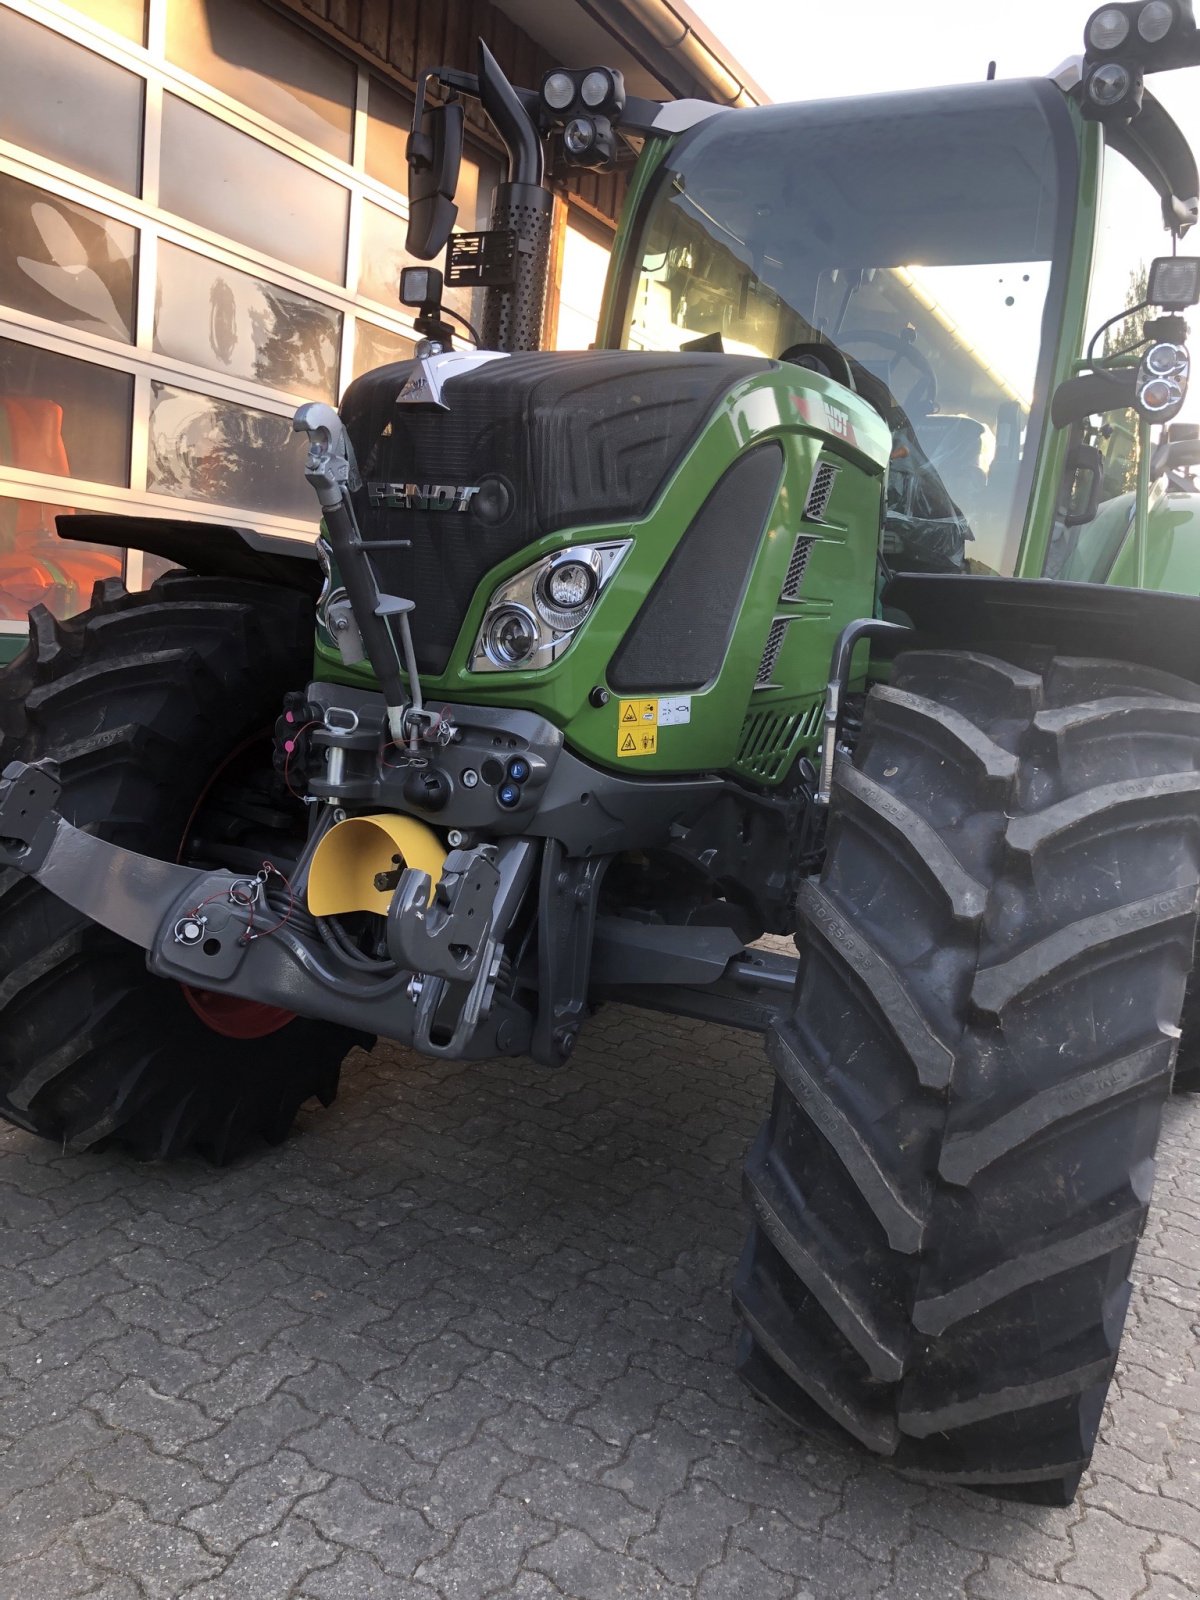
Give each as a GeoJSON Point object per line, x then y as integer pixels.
{"type": "Point", "coordinates": [1117, 25]}
{"type": "Point", "coordinates": [1162, 381]}
{"type": "Point", "coordinates": [534, 617]}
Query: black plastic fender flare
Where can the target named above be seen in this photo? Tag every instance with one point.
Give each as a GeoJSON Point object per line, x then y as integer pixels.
{"type": "Point", "coordinates": [211, 549]}
{"type": "Point", "coordinates": [1080, 619]}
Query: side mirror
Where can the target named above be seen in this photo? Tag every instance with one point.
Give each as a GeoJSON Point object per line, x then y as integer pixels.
{"type": "Point", "coordinates": [1085, 484]}
{"type": "Point", "coordinates": [1179, 451]}
{"type": "Point", "coordinates": [434, 151]}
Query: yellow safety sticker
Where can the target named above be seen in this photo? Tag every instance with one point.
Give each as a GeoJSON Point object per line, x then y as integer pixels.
{"type": "Point", "coordinates": [639, 741]}
{"type": "Point", "coordinates": [644, 712]}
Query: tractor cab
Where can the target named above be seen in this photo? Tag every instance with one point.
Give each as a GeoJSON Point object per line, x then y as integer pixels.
{"type": "Point", "coordinates": [914, 247]}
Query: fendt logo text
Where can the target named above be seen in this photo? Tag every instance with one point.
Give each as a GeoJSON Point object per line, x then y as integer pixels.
{"type": "Point", "coordinates": [421, 496]}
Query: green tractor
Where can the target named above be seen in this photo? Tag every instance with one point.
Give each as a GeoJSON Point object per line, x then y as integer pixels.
{"type": "Point", "coordinates": [627, 658]}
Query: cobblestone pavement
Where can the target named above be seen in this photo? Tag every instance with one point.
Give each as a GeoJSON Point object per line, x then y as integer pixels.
{"type": "Point", "coordinates": [469, 1334]}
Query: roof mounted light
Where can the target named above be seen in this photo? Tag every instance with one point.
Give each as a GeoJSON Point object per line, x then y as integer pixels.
{"type": "Point", "coordinates": [1153, 35]}
{"type": "Point", "coordinates": [1112, 92]}
{"type": "Point", "coordinates": [1108, 29]}
{"type": "Point", "coordinates": [1174, 282]}
{"type": "Point", "coordinates": [1156, 20]}
{"type": "Point", "coordinates": [558, 90]}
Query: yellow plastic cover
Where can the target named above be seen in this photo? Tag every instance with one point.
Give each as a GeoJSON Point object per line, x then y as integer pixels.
{"type": "Point", "coordinates": [354, 852]}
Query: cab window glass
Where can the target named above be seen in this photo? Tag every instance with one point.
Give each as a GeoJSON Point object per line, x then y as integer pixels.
{"type": "Point", "coordinates": [1094, 518]}
{"type": "Point", "coordinates": [924, 241]}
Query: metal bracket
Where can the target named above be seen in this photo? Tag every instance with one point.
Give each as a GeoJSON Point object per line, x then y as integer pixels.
{"type": "Point", "coordinates": [448, 937]}
{"type": "Point", "coordinates": [569, 892]}
{"type": "Point", "coordinates": [28, 795]}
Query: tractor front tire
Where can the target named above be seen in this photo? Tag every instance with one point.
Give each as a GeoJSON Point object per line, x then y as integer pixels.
{"type": "Point", "coordinates": [949, 1189]}
{"type": "Point", "coordinates": [141, 702]}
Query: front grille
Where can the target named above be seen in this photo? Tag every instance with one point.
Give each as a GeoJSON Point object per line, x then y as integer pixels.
{"type": "Point", "coordinates": [770, 655]}
{"type": "Point", "coordinates": [819, 493]}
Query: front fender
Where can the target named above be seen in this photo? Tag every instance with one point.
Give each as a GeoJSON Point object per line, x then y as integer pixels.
{"type": "Point", "coordinates": [211, 549]}
{"type": "Point", "coordinates": [1077, 619]}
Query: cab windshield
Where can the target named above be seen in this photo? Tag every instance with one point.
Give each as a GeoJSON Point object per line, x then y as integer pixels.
{"type": "Point", "coordinates": [925, 236]}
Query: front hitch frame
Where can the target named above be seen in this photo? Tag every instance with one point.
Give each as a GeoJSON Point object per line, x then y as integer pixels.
{"type": "Point", "coordinates": [205, 929]}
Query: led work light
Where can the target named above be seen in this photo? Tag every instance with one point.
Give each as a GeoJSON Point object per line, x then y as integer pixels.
{"type": "Point", "coordinates": [1174, 282]}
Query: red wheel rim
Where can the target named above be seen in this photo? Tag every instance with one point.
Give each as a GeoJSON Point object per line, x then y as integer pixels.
{"type": "Point", "coordinates": [234, 1018]}
{"type": "Point", "coordinates": [227, 1014]}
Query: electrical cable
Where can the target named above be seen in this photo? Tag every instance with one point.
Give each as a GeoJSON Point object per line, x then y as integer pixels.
{"type": "Point", "coordinates": [458, 317]}
{"type": "Point", "coordinates": [1121, 316]}
{"type": "Point", "coordinates": [342, 946]}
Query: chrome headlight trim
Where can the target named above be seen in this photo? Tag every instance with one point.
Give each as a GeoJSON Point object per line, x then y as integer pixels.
{"type": "Point", "coordinates": [526, 591]}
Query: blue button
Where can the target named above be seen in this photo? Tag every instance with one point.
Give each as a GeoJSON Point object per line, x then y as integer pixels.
{"type": "Point", "coordinates": [508, 795]}
{"type": "Point", "coordinates": [518, 769]}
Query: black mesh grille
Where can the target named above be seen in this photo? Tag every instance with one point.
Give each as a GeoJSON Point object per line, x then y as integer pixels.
{"type": "Point", "coordinates": [819, 494]}
{"type": "Point", "coordinates": [679, 637]}
{"type": "Point", "coordinates": [797, 567]}
{"type": "Point", "coordinates": [551, 441]}
{"type": "Point", "coordinates": [770, 655]}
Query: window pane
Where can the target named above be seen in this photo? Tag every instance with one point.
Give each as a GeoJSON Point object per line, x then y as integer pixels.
{"type": "Point", "coordinates": [261, 59]}
{"type": "Point", "coordinates": [384, 256]}
{"type": "Point", "coordinates": [584, 268]}
{"type": "Point", "coordinates": [69, 104]}
{"type": "Point", "coordinates": [63, 417]}
{"type": "Point", "coordinates": [216, 316]}
{"type": "Point", "coordinates": [378, 347]}
{"type": "Point", "coordinates": [37, 567]}
{"type": "Point", "coordinates": [65, 262]}
{"type": "Point", "coordinates": [122, 16]}
{"type": "Point", "coordinates": [389, 122]}
{"type": "Point", "coordinates": [227, 454]}
{"type": "Point", "coordinates": [232, 184]}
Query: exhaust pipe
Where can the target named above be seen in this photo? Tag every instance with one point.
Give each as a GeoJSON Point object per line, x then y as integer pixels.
{"type": "Point", "coordinates": [513, 317]}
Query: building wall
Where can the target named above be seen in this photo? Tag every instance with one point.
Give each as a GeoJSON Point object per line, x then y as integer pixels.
{"type": "Point", "coordinates": [202, 224]}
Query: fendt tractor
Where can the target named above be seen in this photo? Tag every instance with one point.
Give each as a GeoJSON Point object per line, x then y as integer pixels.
{"type": "Point", "coordinates": [627, 658]}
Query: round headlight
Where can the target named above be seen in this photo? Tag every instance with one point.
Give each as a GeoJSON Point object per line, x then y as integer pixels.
{"type": "Point", "coordinates": [579, 136]}
{"type": "Point", "coordinates": [570, 585]}
{"type": "Point", "coordinates": [1165, 360]}
{"type": "Point", "coordinates": [1108, 29]}
{"type": "Point", "coordinates": [595, 89]}
{"type": "Point", "coordinates": [1160, 394]}
{"type": "Point", "coordinates": [1154, 20]}
{"type": "Point", "coordinates": [565, 591]}
{"type": "Point", "coordinates": [558, 90]}
{"type": "Point", "coordinates": [510, 636]}
{"type": "Point", "coordinates": [1109, 84]}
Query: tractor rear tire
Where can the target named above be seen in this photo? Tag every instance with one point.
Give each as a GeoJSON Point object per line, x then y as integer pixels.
{"type": "Point", "coordinates": [139, 702]}
{"type": "Point", "coordinates": [949, 1189]}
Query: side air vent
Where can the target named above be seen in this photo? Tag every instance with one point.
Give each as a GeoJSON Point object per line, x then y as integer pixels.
{"type": "Point", "coordinates": [797, 567]}
{"type": "Point", "coordinates": [770, 655]}
{"type": "Point", "coordinates": [769, 737]}
{"type": "Point", "coordinates": [818, 495]}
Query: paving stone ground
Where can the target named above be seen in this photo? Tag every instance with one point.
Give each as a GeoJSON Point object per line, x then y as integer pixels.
{"type": "Point", "coordinates": [468, 1334]}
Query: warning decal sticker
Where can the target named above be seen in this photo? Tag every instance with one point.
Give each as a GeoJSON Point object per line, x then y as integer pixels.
{"type": "Point", "coordinates": [639, 741]}
{"type": "Point", "coordinates": [640, 711]}
{"type": "Point", "coordinates": [638, 722]}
